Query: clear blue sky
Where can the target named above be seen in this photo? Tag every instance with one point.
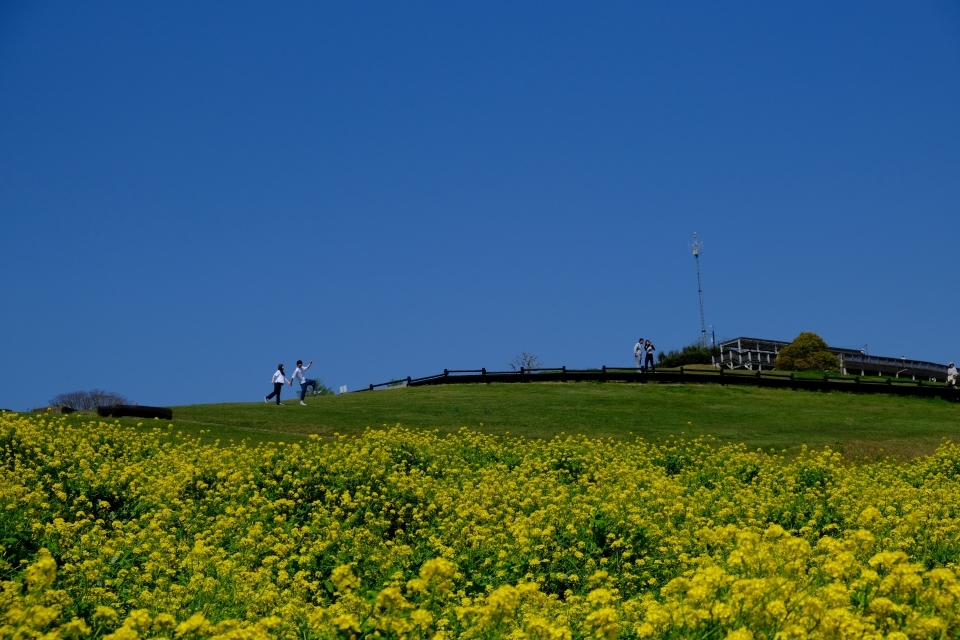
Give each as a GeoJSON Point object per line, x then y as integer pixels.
{"type": "Point", "coordinates": [192, 192]}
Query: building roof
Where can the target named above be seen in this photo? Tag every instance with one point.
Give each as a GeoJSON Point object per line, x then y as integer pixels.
{"type": "Point", "coordinates": [849, 357]}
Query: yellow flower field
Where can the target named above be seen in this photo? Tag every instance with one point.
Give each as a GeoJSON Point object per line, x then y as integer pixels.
{"type": "Point", "coordinates": [109, 531]}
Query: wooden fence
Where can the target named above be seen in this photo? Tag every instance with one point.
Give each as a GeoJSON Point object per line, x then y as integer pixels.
{"type": "Point", "coordinates": [779, 380]}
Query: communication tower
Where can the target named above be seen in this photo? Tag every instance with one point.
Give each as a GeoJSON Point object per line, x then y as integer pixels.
{"type": "Point", "coordinates": [697, 249]}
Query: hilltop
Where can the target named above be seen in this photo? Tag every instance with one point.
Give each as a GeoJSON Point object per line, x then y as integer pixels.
{"type": "Point", "coordinates": [761, 418]}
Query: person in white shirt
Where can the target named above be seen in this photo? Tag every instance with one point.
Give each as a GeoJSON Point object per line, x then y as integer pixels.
{"type": "Point", "coordinates": [638, 354]}
{"type": "Point", "coordinates": [952, 375]}
{"type": "Point", "coordinates": [277, 379]}
{"type": "Point", "coordinates": [304, 381]}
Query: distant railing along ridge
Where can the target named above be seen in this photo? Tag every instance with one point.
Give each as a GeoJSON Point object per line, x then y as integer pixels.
{"type": "Point", "coordinates": [848, 384]}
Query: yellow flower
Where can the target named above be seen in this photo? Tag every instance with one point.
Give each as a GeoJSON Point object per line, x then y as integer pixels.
{"type": "Point", "coordinates": [43, 572]}
{"type": "Point", "coordinates": [523, 538]}
{"type": "Point", "coordinates": [390, 598]}
{"type": "Point", "coordinates": [195, 624]}
{"type": "Point", "coordinates": [105, 615]}
{"type": "Point", "coordinates": [347, 622]}
{"type": "Point", "coordinates": [602, 623]}
{"type": "Point", "coordinates": [123, 633]}
{"type": "Point", "coordinates": [421, 618]}
{"type": "Point", "coordinates": [164, 622]}
{"type": "Point", "coordinates": [343, 578]}
{"type": "Point", "coordinates": [138, 619]}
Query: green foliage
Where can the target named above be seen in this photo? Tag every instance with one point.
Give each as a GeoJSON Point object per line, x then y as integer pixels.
{"type": "Point", "coordinates": [807, 352]}
{"type": "Point", "coordinates": [466, 535]}
{"type": "Point", "coordinates": [691, 354]}
{"type": "Point", "coordinates": [321, 390]}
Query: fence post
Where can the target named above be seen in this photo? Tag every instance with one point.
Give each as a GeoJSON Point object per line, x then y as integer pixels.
{"type": "Point", "coordinates": [483, 374]}
{"type": "Point", "coordinates": [446, 374]}
{"type": "Point", "coordinates": [521, 374]}
{"type": "Point", "coordinates": [371, 386]}
{"type": "Point", "coordinates": [408, 380]}
{"type": "Point", "coordinates": [857, 380]}
{"type": "Point", "coordinates": [793, 384]}
{"type": "Point", "coordinates": [722, 381]}
{"type": "Point", "coordinates": [564, 373]}
{"type": "Point", "coordinates": [826, 383]}
{"type": "Point", "coordinates": [604, 373]}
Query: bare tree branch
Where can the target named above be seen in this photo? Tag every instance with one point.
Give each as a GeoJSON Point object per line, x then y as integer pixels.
{"type": "Point", "coordinates": [525, 361]}
{"type": "Point", "coordinates": [87, 399]}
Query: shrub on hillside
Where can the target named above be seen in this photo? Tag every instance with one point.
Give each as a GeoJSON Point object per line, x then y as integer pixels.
{"type": "Point", "coordinates": [690, 354]}
{"type": "Point", "coordinates": [87, 399]}
{"type": "Point", "coordinates": [807, 352]}
{"type": "Point", "coordinates": [321, 390]}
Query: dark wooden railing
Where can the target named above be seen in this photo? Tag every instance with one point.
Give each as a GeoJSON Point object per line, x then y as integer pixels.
{"type": "Point", "coordinates": [774, 380]}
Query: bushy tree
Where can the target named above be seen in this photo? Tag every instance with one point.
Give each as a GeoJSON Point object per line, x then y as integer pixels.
{"type": "Point", "coordinates": [87, 399]}
{"type": "Point", "coordinates": [807, 352]}
{"type": "Point", "coordinates": [321, 390]}
{"type": "Point", "coordinates": [690, 354]}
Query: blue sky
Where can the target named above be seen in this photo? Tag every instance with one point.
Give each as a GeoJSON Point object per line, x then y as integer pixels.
{"type": "Point", "coordinates": [193, 192]}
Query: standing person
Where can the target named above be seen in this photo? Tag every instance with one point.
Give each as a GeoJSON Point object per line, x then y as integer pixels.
{"type": "Point", "coordinates": [638, 354]}
{"type": "Point", "coordinates": [304, 381]}
{"type": "Point", "coordinates": [952, 376]}
{"type": "Point", "coordinates": [649, 359]}
{"type": "Point", "coordinates": [277, 379]}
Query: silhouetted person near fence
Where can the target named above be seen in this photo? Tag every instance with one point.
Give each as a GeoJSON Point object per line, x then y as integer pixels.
{"type": "Point", "coordinates": [277, 379]}
{"type": "Point", "coordinates": [952, 376]}
{"type": "Point", "coordinates": [638, 354]}
{"type": "Point", "coordinates": [304, 381]}
{"type": "Point", "coordinates": [649, 348]}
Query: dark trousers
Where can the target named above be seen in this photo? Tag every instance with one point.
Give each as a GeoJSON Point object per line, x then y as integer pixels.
{"type": "Point", "coordinates": [276, 391]}
{"type": "Point", "coordinates": [649, 361]}
{"type": "Point", "coordinates": [303, 388]}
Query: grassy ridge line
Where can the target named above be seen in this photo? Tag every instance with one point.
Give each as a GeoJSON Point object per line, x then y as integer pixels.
{"type": "Point", "coordinates": [758, 417]}
{"type": "Point", "coordinates": [764, 418]}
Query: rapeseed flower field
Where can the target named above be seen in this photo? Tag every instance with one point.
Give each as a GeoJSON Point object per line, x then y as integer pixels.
{"type": "Point", "coordinates": [122, 533]}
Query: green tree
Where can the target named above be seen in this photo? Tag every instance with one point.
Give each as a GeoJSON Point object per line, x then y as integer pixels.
{"type": "Point", "coordinates": [691, 354]}
{"type": "Point", "coordinates": [321, 390]}
{"type": "Point", "coordinates": [807, 352]}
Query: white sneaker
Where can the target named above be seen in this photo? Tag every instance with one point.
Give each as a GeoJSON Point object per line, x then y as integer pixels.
{"type": "Point", "coordinates": [302, 403]}
{"type": "Point", "coordinates": [265, 400]}
{"type": "Point", "coordinates": [279, 404]}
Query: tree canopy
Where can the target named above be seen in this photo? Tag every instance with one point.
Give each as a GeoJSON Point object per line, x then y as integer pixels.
{"type": "Point", "coordinates": [87, 399]}
{"type": "Point", "coordinates": [807, 352]}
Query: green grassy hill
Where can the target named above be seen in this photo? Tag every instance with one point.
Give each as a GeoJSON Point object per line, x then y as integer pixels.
{"type": "Point", "coordinates": [863, 426]}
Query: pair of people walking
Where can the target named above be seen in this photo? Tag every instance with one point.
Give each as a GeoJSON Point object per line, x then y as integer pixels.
{"type": "Point", "coordinates": [643, 352]}
{"type": "Point", "coordinates": [279, 378]}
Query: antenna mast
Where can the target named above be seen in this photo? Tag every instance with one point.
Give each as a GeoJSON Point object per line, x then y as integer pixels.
{"type": "Point", "coordinates": [697, 248]}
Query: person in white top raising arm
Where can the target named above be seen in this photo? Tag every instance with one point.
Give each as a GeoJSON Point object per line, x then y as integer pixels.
{"type": "Point", "coordinates": [304, 381]}
{"type": "Point", "coordinates": [277, 379]}
{"type": "Point", "coordinates": [952, 375]}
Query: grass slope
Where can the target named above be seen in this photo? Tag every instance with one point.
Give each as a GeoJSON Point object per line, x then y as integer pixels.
{"type": "Point", "coordinates": [860, 425]}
